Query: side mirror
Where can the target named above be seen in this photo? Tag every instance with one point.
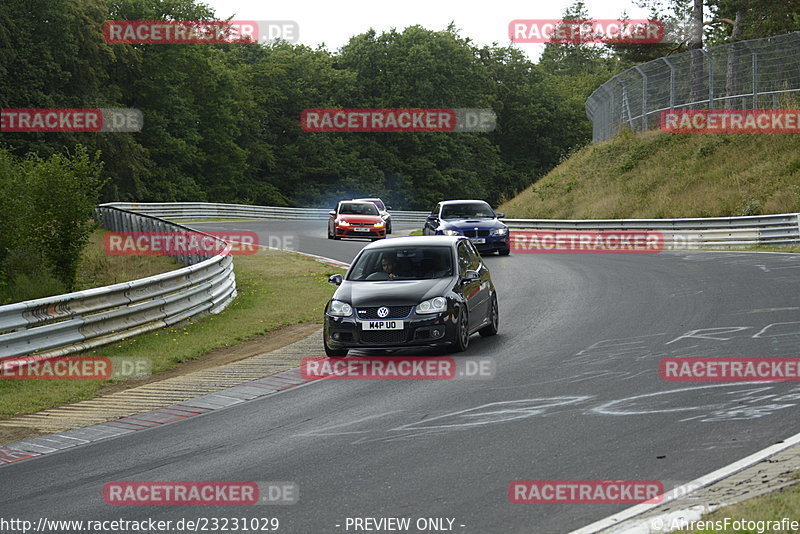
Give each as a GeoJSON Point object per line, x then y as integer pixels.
{"type": "Point", "coordinates": [500, 215]}
{"type": "Point", "coordinates": [470, 276]}
{"type": "Point", "coordinates": [332, 213]}
{"type": "Point", "coordinates": [335, 279]}
{"type": "Point", "coordinates": [388, 208]}
{"type": "Point", "coordinates": [432, 218]}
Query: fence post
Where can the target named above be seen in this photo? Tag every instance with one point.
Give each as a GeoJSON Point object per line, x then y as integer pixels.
{"type": "Point", "coordinates": [644, 97]}
{"type": "Point", "coordinates": [607, 114]}
{"type": "Point", "coordinates": [754, 56]}
{"type": "Point", "coordinates": [755, 79]}
{"type": "Point", "coordinates": [671, 82]}
{"type": "Point", "coordinates": [710, 61]}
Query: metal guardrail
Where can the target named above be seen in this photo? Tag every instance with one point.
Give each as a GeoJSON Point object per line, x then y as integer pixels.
{"type": "Point", "coordinates": [186, 211]}
{"type": "Point", "coordinates": [781, 229]}
{"type": "Point", "coordinates": [752, 74]}
{"type": "Point", "coordinates": [55, 326]}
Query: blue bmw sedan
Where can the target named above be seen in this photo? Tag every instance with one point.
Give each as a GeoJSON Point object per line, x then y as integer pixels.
{"type": "Point", "coordinates": [474, 219]}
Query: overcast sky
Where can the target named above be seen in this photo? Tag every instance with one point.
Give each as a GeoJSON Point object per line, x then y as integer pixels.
{"type": "Point", "coordinates": [333, 22]}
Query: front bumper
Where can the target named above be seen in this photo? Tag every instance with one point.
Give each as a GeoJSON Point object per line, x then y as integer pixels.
{"type": "Point", "coordinates": [371, 233]}
{"type": "Point", "coordinates": [490, 243]}
{"type": "Point", "coordinates": [418, 331]}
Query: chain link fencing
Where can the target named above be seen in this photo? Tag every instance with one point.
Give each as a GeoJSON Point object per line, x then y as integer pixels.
{"type": "Point", "coordinates": [752, 74]}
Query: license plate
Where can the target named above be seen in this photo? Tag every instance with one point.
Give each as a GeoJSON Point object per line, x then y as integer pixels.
{"type": "Point", "coordinates": [381, 325]}
{"type": "Point", "coordinates": [478, 240]}
{"type": "Point", "coordinates": [361, 229]}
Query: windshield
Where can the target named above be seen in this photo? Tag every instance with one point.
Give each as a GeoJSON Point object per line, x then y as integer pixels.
{"type": "Point", "coordinates": [403, 263]}
{"type": "Point", "coordinates": [467, 210]}
{"type": "Point", "coordinates": [358, 209]}
{"type": "Point", "coordinates": [375, 201]}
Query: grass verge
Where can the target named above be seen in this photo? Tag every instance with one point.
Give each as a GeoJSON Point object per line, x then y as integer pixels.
{"type": "Point", "coordinates": [97, 268]}
{"type": "Point", "coordinates": [771, 507]}
{"type": "Point", "coordinates": [275, 289]}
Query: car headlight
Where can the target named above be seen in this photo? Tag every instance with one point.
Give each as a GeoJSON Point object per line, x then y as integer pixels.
{"type": "Point", "coordinates": [340, 309]}
{"type": "Point", "coordinates": [434, 305]}
{"type": "Point", "coordinates": [341, 222]}
{"type": "Point", "coordinates": [379, 224]}
{"type": "Point", "coordinates": [451, 232]}
{"type": "Point", "coordinates": [500, 231]}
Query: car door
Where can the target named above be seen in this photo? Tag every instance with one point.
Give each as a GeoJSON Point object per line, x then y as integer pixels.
{"type": "Point", "coordinates": [481, 305]}
{"type": "Point", "coordinates": [470, 289]}
{"type": "Point", "coordinates": [432, 223]}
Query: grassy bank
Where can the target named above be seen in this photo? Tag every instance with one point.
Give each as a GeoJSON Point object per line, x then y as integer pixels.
{"type": "Point", "coordinates": [655, 175]}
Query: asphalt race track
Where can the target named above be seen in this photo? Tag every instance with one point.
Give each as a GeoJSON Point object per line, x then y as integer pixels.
{"type": "Point", "coordinates": [576, 396]}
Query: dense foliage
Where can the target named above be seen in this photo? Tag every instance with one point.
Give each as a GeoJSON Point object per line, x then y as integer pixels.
{"type": "Point", "coordinates": [46, 207]}
{"type": "Point", "coordinates": [221, 122]}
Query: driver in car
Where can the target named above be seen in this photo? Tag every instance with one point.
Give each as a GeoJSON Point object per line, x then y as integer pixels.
{"type": "Point", "coordinates": [388, 266]}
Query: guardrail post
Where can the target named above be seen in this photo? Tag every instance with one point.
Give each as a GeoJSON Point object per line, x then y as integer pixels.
{"type": "Point", "coordinates": [798, 228]}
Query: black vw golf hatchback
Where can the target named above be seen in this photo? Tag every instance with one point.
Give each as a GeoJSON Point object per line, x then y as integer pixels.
{"type": "Point", "coordinates": [411, 292]}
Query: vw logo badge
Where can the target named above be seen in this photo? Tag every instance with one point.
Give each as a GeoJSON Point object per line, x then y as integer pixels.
{"type": "Point", "coordinates": [383, 311]}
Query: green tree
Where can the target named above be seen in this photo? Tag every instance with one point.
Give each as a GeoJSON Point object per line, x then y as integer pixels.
{"type": "Point", "coordinates": [47, 206]}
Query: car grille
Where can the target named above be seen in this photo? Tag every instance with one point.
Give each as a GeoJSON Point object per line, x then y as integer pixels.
{"type": "Point", "coordinates": [395, 312]}
{"type": "Point", "coordinates": [476, 233]}
{"type": "Point", "coordinates": [383, 336]}
{"type": "Point", "coordinates": [361, 224]}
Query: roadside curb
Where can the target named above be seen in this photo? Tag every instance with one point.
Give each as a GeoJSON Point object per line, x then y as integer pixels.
{"type": "Point", "coordinates": [222, 397]}
{"type": "Point", "coordinates": [769, 469]}
{"type": "Point", "coordinates": [327, 261]}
